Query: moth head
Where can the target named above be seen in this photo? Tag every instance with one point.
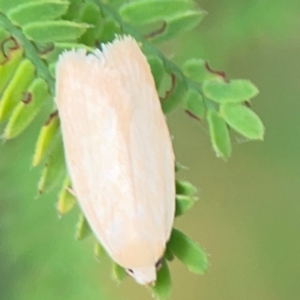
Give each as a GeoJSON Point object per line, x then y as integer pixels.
{"type": "Point", "coordinates": [145, 275]}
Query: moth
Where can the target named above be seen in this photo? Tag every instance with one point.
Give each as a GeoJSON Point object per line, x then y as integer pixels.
{"type": "Point", "coordinates": [118, 152]}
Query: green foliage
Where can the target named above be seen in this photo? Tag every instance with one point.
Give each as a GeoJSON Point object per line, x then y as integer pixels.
{"type": "Point", "coordinates": [243, 120]}
{"type": "Point", "coordinates": [27, 109]}
{"type": "Point", "coordinates": [235, 91]}
{"type": "Point", "coordinates": [34, 33]}
{"type": "Point", "coordinates": [185, 188]}
{"type": "Point", "coordinates": [163, 288]}
{"type": "Point", "coordinates": [90, 14]}
{"type": "Point", "coordinates": [194, 103]}
{"type": "Point", "coordinates": [188, 252]}
{"type": "Point", "coordinates": [54, 31]}
{"type": "Point", "coordinates": [185, 197]}
{"type": "Point", "coordinates": [17, 86]}
{"type": "Point", "coordinates": [219, 135]}
{"type": "Point", "coordinates": [58, 48]}
{"type": "Point", "coordinates": [45, 138]}
{"type": "Point", "coordinates": [183, 204]}
{"type": "Point", "coordinates": [66, 199]}
{"type": "Point", "coordinates": [179, 167]}
{"type": "Point", "coordinates": [179, 23]}
{"type": "Point", "coordinates": [118, 272]}
{"type": "Point", "coordinates": [157, 69]}
{"type": "Point", "coordinates": [150, 11]}
{"type": "Point", "coordinates": [37, 11]}
{"type": "Point", "coordinates": [174, 95]}
{"type": "Point", "coordinates": [55, 169]}
{"type": "Point", "coordinates": [7, 5]}
{"type": "Point", "coordinates": [99, 251]}
{"type": "Point", "coordinates": [82, 228]}
{"type": "Point", "coordinates": [197, 70]}
{"type": "Point", "coordinates": [8, 68]}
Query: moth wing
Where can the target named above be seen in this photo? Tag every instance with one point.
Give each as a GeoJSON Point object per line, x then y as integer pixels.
{"type": "Point", "coordinates": [118, 150]}
{"type": "Point", "coordinates": [149, 139]}
{"type": "Point", "coordinates": [153, 158]}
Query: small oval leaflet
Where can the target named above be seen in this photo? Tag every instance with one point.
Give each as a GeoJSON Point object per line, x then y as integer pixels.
{"type": "Point", "coordinates": [235, 91]}
{"type": "Point", "coordinates": [219, 135]}
{"type": "Point", "coordinates": [118, 152]}
{"type": "Point", "coordinates": [243, 120]}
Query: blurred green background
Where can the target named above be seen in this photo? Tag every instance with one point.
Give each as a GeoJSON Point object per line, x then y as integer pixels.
{"type": "Point", "coordinates": [248, 216]}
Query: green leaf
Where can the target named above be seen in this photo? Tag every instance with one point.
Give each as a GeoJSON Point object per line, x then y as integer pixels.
{"type": "Point", "coordinates": [157, 69]}
{"type": "Point", "coordinates": [16, 87]}
{"type": "Point", "coordinates": [193, 102]}
{"type": "Point", "coordinates": [219, 135]}
{"type": "Point", "coordinates": [45, 139]}
{"type": "Point", "coordinates": [118, 272]}
{"type": "Point", "coordinates": [5, 5]}
{"type": "Point", "coordinates": [233, 92]}
{"type": "Point", "coordinates": [110, 29]}
{"type": "Point", "coordinates": [169, 255]}
{"type": "Point", "coordinates": [52, 56]}
{"type": "Point", "coordinates": [55, 168]}
{"type": "Point", "coordinates": [8, 46]}
{"type": "Point", "coordinates": [66, 200]}
{"type": "Point", "coordinates": [175, 95]}
{"type": "Point", "coordinates": [52, 69]}
{"type": "Point", "coordinates": [4, 36]}
{"type": "Point", "coordinates": [180, 23]}
{"type": "Point", "coordinates": [37, 11]}
{"type": "Point", "coordinates": [163, 286]}
{"type": "Point", "coordinates": [150, 11]}
{"type": "Point", "coordinates": [54, 31]}
{"type": "Point", "coordinates": [243, 120]}
{"type": "Point", "coordinates": [185, 188]}
{"type": "Point", "coordinates": [82, 228]}
{"type": "Point", "coordinates": [188, 252]}
{"type": "Point", "coordinates": [90, 14]}
{"type": "Point", "coordinates": [183, 204]}
{"type": "Point", "coordinates": [8, 67]}
{"type": "Point", "coordinates": [179, 167]}
{"type": "Point", "coordinates": [26, 110]}
{"type": "Point", "coordinates": [99, 251]}
{"type": "Point", "coordinates": [73, 10]}
{"type": "Point", "coordinates": [197, 70]}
